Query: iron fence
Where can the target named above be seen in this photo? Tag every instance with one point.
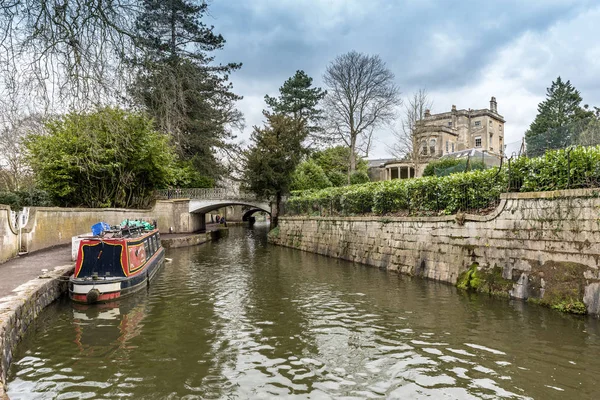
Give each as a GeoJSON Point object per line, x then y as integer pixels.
{"type": "Point", "coordinates": [205, 194]}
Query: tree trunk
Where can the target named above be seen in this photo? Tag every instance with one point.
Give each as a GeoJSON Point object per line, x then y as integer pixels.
{"type": "Point", "coordinates": [352, 157]}
{"type": "Point", "coordinates": [275, 216]}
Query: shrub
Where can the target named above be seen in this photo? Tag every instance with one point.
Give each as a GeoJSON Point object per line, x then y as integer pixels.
{"type": "Point", "coordinates": [577, 167]}
{"type": "Point", "coordinates": [337, 178]}
{"type": "Point", "coordinates": [359, 177]}
{"type": "Point", "coordinates": [30, 198]}
{"type": "Point", "coordinates": [309, 175]}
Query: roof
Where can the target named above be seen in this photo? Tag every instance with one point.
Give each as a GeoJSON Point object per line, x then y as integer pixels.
{"type": "Point", "coordinates": [378, 162]}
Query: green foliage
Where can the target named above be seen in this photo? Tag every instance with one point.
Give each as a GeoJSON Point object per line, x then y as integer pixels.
{"type": "Point", "coordinates": [108, 158]}
{"type": "Point", "coordinates": [309, 175]}
{"type": "Point", "coordinates": [447, 166]}
{"type": "Point", "coordinates": [571, 306]}
{"type": "Point", "coordinates": [29, 198]}
{"type": "Point", "coordinates": [178, 84]}
{"type": "Point", "coordinates": [476, 189]}
{"type": "Point", "coordinates": [11, 199]}
{"type": "Point", "coordinates": [299, 100]}
{"type": "Point", "coordinates": [337, 178]}
{"type": "Point", "coordinates": [561, 107]}
{"type": "Point", "coordinates": [275, 153]}
{"type": "Point", "coordinates": [335, 161]}
{"type": "Point", "coordinates": [359, 177]}
{"type": "Point", "coordinates": [187, 176]}
{"type": "Point", "coordinates": [576, 167]}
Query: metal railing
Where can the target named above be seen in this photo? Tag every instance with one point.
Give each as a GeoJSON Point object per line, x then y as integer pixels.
{"type": "Point", "coordinates": [205, 194]}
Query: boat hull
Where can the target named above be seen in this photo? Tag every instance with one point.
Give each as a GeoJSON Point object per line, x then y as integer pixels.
{"type": "Point", "coordinates": [89, 291]}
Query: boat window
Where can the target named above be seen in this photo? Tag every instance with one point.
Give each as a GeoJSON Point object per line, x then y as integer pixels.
{"type": "Point", "coordinates": [152, 244]}
{"type": "Point", "coordinates": [158, 238]}
{"type": "Point", "coordinates": [147, 247]}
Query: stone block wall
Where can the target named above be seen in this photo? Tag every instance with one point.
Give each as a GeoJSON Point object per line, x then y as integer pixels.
{"type": "Point", "coordinates": [18, 312]}
{"type": "Point", "coordinates": [9, 240]}
{"type": "Point", "coordinates": [542, 246]}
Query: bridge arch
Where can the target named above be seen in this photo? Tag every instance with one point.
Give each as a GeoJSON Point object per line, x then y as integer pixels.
{"type": "Point", "coordinates": [206, 206]}
{"type": "Point", "coordinates": [250, 212]}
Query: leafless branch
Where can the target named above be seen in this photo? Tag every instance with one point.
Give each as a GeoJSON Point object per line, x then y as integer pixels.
{"type": "Point", "coordinates": [361, 96]}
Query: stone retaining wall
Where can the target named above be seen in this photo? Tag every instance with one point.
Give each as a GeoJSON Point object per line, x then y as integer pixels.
{"type": "Point", "coordinates": [18, 311]}
{"type": "Point", "coordinates": [542, 246]}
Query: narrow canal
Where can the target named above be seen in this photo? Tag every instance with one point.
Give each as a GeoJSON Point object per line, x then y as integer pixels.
{"type": "Point", "coordinates": [239, 318]}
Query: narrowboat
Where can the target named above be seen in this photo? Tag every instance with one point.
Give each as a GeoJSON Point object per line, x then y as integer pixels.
{"type": "Point", "coordinates": [116, 262]}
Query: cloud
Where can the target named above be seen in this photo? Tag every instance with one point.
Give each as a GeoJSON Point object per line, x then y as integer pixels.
{"type": "Point", "coordinates": [462, 52]}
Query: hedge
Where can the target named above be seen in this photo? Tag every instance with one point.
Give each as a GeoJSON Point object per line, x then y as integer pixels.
{"type": "Point", "coordinates": [577, 167]}
{"type": "Point", "coordinates": [447, 194]}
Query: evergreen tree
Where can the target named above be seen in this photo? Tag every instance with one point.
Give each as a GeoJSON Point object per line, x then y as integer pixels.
{"type": "Point", "coordinates": [561, 108]}
{"type": "Point", "coordinates": [272, 158]}
{"type": "Point", "coordinates": [299, 100]}
{"type": "Point", "coordinates": [177, 83]}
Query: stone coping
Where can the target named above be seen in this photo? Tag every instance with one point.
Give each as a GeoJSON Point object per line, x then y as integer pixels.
{"type": "Point", "coordinates": [590, 192]}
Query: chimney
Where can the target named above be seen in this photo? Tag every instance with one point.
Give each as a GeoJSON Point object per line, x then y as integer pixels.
{"type": "Point", "coordinates": [493, 105]}
{"type": "Point", "coordinates": [427, 113]}
{"type": "Point", "coordinates": [453, 108]}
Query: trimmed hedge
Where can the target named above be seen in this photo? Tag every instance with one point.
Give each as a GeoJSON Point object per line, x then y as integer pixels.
{"type": "Point", "coordinates": [449, 194]}
{"type": "Point", "coordinates": [577, 167]}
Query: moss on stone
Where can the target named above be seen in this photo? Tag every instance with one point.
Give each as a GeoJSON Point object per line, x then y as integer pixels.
{"type": "Point", "coordinates": [488, 281]}
{"type": "Point", "coordinates": [464, 279]}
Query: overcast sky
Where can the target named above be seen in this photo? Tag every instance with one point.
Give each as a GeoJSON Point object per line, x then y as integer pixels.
{"type": "Point", "coordinates": [463, 52]}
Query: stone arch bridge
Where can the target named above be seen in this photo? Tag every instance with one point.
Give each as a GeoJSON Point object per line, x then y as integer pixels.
{"type": "Point", "coordinates": [202, 201]}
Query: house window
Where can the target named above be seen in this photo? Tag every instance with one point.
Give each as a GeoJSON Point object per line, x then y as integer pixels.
{"type": "Point", "coordinates": [424, 147]}
{"type": "Point", "coordinates": [478, 141]}
{"type": "Point", "coordinates": [432, 147]}
{"type": "Point", "coordinates": [450, 124]}
{"type": "Point", "coordinates": [477, 123]}
{"type": "Point", "coordinates": [447, 146]}
{"type": "Point", "coordinates": [490, 123]}
{"type": "Point", "coordinates": [500, 128]}
{"type": "Point", "coordinates": [453, 147]}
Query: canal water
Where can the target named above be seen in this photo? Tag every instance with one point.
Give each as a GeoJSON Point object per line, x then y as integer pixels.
{"type": "Point", "coordinates": [239, 318]}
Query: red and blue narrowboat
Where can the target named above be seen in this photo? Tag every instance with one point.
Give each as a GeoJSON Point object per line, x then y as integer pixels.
{"type": "Point", "coordinates": [115, 263]}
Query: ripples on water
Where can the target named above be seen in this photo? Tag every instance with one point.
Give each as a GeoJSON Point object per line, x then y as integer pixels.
{"type": "Point", "coordinates": [241, 319]}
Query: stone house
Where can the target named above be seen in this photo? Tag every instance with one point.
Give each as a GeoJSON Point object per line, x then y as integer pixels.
{"type": "Point", "coordinates": [445, 134]}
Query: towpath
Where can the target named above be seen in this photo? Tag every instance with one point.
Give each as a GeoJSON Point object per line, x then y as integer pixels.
{"type": "Point", "coordinates": [18, 271]}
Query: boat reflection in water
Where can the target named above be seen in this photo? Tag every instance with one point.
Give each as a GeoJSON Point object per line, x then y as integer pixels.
{"type": "Point", "coordinates": [108, 325]}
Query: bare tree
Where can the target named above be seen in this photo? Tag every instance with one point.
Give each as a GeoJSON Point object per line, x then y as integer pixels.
{"type": "Point", "coordinates": [406, 145]}
{"type": "Point", "coordinates": [15, 173]}
{"type": "Point", "coordinates": [67, 50]}
{"type": "Point", "coordinates": [361, 96]}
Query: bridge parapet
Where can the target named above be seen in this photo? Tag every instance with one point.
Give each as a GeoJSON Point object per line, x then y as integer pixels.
{"type": "Point", "coordinates": [206, 194]}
